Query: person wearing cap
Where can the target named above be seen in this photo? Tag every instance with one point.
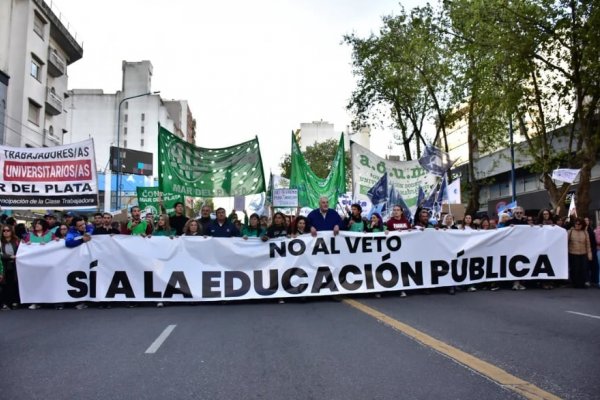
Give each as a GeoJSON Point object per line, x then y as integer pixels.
{"type": "Point", "coordinates": [68, 218]}
{"type": "Point", "coordinates": [52, 223]}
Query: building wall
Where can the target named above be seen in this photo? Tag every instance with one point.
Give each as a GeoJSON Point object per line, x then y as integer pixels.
{"type": "Point", "coordinates": [94, 113]}
{"type": "Point", "coordinates": [21, 44]}
{"type": "Point", "coordinates": [320, 131]}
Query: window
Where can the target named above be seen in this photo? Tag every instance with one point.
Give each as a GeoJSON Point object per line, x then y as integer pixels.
{"type": "Point", "coordinates": [34, 113]}
{"type": "Point", "coordinates": [36, 68]}
{"type": "Point", "coordinates": [142, 130]}
{"type": "Point", "coordinates": [125, 131]}
{"type": "Point", "coordinates": [126, 105]}
{"type": "Point", "coordinates": [125, 118]}
{"type": "Point", "coordinates": [124, 143]}
{"type": "Point", "coordinates": [142, 142]}
{"type": "Point", "coordinates": [143, 116]}
{"type": "Point", "coordinates": [51, 131]}
{"type": "Point", "coordinates": [39, 25]}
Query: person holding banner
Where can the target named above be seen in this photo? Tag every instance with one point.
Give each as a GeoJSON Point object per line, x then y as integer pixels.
{"type": "Point", "coordinates": [355, 222]}
{"type": "Point", "coordinates": [545, 217]}
{"type": "Point", "coordinates": [221, 227]}
{"type": "Point", "coordinates": [300, 226]}
{"type": "Point", "coordinates": [398, 221]}
{"type": "Point", "coordinates": [252, 226]}
{"type": "Point", "coordinates": [205, 218]}
{"type": "Point", "coordinates": [178, 220]}
{"type": "Point", "coordinates": [376, 224]}
{"type": "Point", "coordinates": [423, 219]}
{"type": "Point", "coordinates": [277, 229]}
{"type": "Point", "coordinates": [137, 226]}
{"type": "Point", "coordinates": [192, 228]}
{"type": "Point", "coordinates": [324, 218]}
{"type": "Point", "coordinates": [41, 233]}
{"type": "Point", "coordinates": [163, 228]}
{"type": "Point", "coordinates": [106, 228]}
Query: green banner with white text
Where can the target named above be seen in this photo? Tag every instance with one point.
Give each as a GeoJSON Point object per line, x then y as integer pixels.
{"type": "Point", "coordinates": [199, 172]}
{"type": "Point", "coordinates": [148, 200]}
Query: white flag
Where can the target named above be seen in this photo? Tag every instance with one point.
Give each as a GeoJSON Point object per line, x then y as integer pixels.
{"type": "Point", "coordinates": [572, 209]}
{"type": "Point", "coordinates": [565, 174]}
{"type": "Point", "coordinates": [454, 192]}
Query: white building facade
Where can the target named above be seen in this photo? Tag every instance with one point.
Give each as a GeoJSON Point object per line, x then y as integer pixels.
{"type": "Point", "coordinates": [95, 114]}
{"type": "Point", "coordinates": [320, 131]}
{"type": "Point", "coordinates": [35, 50]}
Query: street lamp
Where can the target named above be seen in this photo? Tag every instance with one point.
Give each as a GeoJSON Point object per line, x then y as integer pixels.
{"type": "Point", "coordinates": [119, 167]}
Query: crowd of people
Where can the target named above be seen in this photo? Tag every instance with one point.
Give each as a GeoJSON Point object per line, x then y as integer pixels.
{"type": "Point", "coordinates": [583, 240]}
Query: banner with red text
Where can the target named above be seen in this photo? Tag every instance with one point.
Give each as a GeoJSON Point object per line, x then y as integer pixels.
{"type": "Point", "coordinates": [60, 177]}
{"type": "Point", "coordinates": [191, 268]}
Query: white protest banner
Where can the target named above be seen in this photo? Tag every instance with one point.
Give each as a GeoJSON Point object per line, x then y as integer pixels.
{"type": "Point", "coordinates": [565, 174]}
{"type": "Point", "coordinates": [285, 198]}
{"type": "Point", "coordinates": [133, 268]}
{"type": "Point", "coordinates": [60, 177]}
{"type": "Point", "coordinates": [405, 176]}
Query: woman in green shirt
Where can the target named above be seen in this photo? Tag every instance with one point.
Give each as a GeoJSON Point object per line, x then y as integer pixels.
{"type": "Point", "coordinates": [163, 228]}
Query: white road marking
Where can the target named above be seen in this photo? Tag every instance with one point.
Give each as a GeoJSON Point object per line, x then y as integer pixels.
{"type": "Point", "coordinates": [583, 314]}
{"type": "Point", "coordinates": [160, 339]}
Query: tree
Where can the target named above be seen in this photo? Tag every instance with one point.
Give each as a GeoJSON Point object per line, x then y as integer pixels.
{"type": "Point", "coordinates": [404, 74]}
{"type": "Point", "coordinates": [319, 157]}
{"type": "Point", "coordinates": [547, 78]}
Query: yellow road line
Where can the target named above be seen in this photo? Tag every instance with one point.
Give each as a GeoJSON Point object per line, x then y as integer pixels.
{"type": "Point", "coordinates": [498, 375]}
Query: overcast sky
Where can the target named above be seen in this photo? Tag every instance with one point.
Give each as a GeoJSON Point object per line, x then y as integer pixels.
{"type": "Point", "coordinates": [246, 67]}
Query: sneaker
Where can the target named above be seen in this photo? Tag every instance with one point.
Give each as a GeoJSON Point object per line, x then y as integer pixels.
{"type": "Point", "coordinates": [588, 284]}
{"type": "Point", "coordinates": [281, 301]}
{"type": "Point", "coordinates": [471, 289]}
{"type": "Point", "coordinates": [5, 307]}
{"type": "Point", "coordinates": [521, 287]}
{"type": "Point", "coordinates": [403, 294]}
{"type": "Point", "coordinates": [378, 295]}
{"type": "Point", "coordinates": [160, 305]}
{"type": "Point", "coordinates": [494, 288]}
{"type": "Point", "coordinates": [81, 306]}
{"type": "Point", "coordinates": [515, 286]}
{"type": "Point", "coordinates": [59, 307]}
{"type": "Point", "coordinates": [452, 291]}
{"type": "Point", "coordinates": [33, 307]}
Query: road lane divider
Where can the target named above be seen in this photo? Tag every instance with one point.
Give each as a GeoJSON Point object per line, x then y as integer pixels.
{"type": "Point", "coordinates": [490, 371]}
{"type": "Point", "coordinates": [584, 314]}
{"type": "Point", "coordinates": [160, 340]}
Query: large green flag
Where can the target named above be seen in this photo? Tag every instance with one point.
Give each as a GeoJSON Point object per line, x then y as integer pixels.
{"type": "Point", "coordinates": [198, 172]}
{"type": "Point", "coordinates": [148, 200]}
{"type": "Point", "coordinates": [310, 186]}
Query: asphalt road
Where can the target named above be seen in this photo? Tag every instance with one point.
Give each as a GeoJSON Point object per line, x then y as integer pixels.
{"type": "Point", "coordinates": [318, 349]}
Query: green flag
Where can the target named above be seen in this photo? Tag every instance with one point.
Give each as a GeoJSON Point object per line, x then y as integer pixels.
{"type": "Point", "coordinates": [198, 172]}
{"type": "Point", "coordinates": [311, 187]}
{"type": "Point", "coordinates": [148, 200]}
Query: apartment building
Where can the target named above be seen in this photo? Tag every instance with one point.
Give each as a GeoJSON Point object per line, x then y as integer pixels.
{"type": "Point", "coordinates": [36, 48]}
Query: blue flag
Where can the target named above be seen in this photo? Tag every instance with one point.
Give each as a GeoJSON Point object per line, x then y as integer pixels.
{"type": "Point", "coordinates": [379, 192]}
{"type": "Point", "coordinates": [395, 198]}
{"type": "Point", "coordinates": [435, 160]}
{"type": "Point", "coordinates": [421, 197]}
{"type": "Point", "coordinates": [430, 200]}
{"type": "Point", "coordinates": [442, 194]}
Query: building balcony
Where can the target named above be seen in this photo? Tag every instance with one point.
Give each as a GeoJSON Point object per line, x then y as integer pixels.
{"type": "Point", "coordinates": [54, 104]}
{"type": "Point", "coordinates": [56, 65]}
{"type": "Point", "coordinates": [50, 139]}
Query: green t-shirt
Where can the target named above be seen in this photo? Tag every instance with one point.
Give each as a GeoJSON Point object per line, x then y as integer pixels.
{"type": "Point", "coordinates": [357, 227]}
{"type": "Point", "coordinates": [139, 229]}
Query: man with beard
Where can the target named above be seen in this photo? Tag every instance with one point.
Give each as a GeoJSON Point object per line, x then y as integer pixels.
{"type": "Point", "coordinates": [137, 226]}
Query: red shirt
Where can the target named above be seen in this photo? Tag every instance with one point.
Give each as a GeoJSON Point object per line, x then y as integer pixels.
{"type": "Point", "coordinates": [394, 224]}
